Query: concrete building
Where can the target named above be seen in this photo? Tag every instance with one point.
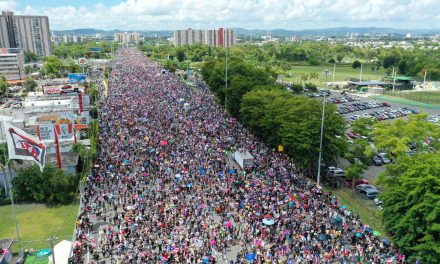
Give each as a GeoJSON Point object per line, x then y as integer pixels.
{"type": "Point", "coordinates": [215, 38]}
{"type": "Point", "coordinates": [30, 33]}
{"type": "Point", "coordinates": [125, 38]}
{"type": "Point", "coordinates": [11, 63]}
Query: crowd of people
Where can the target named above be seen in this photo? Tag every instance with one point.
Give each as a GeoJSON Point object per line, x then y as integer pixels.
{"type": "Point", "coordinates": [165, 188]}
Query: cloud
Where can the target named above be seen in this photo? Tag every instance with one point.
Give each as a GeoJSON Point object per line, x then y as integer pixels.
{"type": "Point", "coordinates": [7, 5]}
{"type": "Point", "coordinates": [291, 14]}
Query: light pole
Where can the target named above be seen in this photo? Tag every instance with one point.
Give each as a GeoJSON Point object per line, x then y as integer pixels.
{"type": "Point", "coordinates": [326, 72]}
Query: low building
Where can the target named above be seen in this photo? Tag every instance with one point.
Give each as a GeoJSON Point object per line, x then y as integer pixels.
{"type": "Point", "coordinates": [12, 63]}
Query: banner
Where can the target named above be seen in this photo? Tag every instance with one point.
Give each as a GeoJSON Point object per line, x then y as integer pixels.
{"type": "Point", "coordinates": [64, 131]}
{"type": "Point", "coordinates": [52, 89]}
{"type": "Point", "coordinates": [77, 77]}
{"type": "Point", "coordinates": [23, 146]}
{"type": "Point", "coordinates": [45, 132]}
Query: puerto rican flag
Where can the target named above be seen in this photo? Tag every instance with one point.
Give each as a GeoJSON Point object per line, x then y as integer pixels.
{"type": "Point", "coordinates": [164, 257]}
{"type": "Point", "coordinates": [23, 146]}
{"type": "Point", "coordinates": [174, 249]}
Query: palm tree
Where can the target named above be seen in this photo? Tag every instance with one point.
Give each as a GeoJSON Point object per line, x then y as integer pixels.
{"type": "Point", "coordinates": [304, 77]}
{"type": "Point", "coordinates": [313, 75]}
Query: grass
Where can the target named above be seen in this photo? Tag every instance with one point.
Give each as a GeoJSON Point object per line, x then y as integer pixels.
{"type": "Point", "coordinates": [426, 97]}
{"type": "Point", "coordinates": [342, 73]}
{"type": "Point", "coordinates": [368, 214]}
{"type": "Point", "coordinates": [37, 222]}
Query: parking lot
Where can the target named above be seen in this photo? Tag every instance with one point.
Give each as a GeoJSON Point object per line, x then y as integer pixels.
{"type": "Point", "coordinates": [352, 106]}
{"type": "Point", "coordinates": [363, 98]}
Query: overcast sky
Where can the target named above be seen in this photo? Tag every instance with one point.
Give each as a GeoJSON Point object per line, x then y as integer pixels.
{"type": "Point", "coordinates": [250, 14]}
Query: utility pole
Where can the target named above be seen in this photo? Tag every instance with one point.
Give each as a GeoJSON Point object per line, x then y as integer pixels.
{"type": "Point", "coordinates": [424, 81]}
{"type": "Point", "coordinates": [51, 240]}
{"type": "Point", "coordinates": [360, 77]}
{"type": "Point", "coordinates": [11, 190]}
{"type": "Point", "coordinates": [394, 78]}
{"type": "Point", "coordinates": [326, 72]}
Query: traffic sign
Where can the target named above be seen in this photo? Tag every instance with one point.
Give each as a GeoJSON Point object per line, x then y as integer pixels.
{"type": "Point", "coordinates": [82, 61]}
{"type": "Point", "coordinates": [95, 49]}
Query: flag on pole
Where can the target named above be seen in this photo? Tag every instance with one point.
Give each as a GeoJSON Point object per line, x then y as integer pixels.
{"type": "Point", "coordinates": [23, 146]}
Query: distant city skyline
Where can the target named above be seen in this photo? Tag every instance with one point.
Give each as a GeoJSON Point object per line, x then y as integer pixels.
{"type": "Point", "coordinates": [249, 14]}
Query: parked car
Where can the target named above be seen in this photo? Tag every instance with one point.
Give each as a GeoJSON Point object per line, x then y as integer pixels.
{"type": "Point", "coordinates": [368, 194]}
{"type": "Point", "coordinates": [335, 172]}
{"type": "Point", "coordinates": [384, 159]}
{"type": "Point", "coordinates": [365, 187]}
{"type": "Point", "coordinates": [377, 161]}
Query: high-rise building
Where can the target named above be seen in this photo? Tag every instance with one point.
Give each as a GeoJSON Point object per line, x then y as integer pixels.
{"type": "Point", "coordinates": [30, 33]}
{"type": "Point", "coordinates": [214, 38]}
{"type": "Point", "coordinates": [125, 38]}
{"type": "Point", "coordinates": [11, 63]}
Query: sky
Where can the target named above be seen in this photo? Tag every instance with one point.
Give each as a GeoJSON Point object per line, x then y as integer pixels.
{"type": "Point", "coordinates": [249, 14]}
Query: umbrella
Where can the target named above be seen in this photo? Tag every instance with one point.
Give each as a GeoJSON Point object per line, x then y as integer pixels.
{"type": "Point", "coordinates": [322, 237]}
{"type": "Point", "coordinates": [250, 256]}
{"type": "Point", "coordinates": [386, 241]}
{"type": "Point", "coordinates": [358, 234]}
{"type": "Point", "coordinates": [368, 230]}
{"type": "Point", "coordinates": [268, 221]}
{"type": "Point", "coordinates": [205, 259]}
{"type": "Point", "coordinates": [267, 216]}
{"type": "Point", "coordinates": [228, 224]}
{"type": "Point", "coordinates": [212, 242]}
{"type": "Point", "coordinates": [178, 176]}
{"type": "Point", "coordinates": [376, 233]}
{"type": "Point", "coordinates": [344, 207]}
{"type": "Point", "coordinates": [163, 143]}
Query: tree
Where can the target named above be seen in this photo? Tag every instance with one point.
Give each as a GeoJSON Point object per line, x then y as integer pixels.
{"type": "Point", "coordinates": [27, 69]}
{"type": "Point", "coordinates": [354, 172]}
{"type": "Point", "coordinates": [280, 117]}
{"type": "Point", "coordinates": [49, 186]}
{"type": "Point", "coordinates": [363, 126]}
{"type": "Point", "coordinates": [53, 65]}
{"type": "Point", "coordinates": [3, 85]}
{"type": "Point", "coordinates": [30, 85]}
{"type": "Point", "coordinates": [339, 57]}
{"type": "Point", "coordinates": [356, 64]}
{"type": "Point", "coordinates": [332, 61]}
{"type": "Point", "coordinates": [396, 137]}
{"type": "Point", "coordinates": [180, 54]}
{"type": "Point", "coordinates": [411, 206]}
{"type": "Point", "coordinates": [29, 56]}
{"type": "Point", "coordinates": [390, 60]}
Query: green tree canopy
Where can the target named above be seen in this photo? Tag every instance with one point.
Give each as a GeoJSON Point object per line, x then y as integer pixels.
{"type": "Point", "coordinates": [3, 85]}
{"type": "Point", "coordinates": [49, 186]}
{"type": "Point", "coordinates": [53, 65]}
{"type": "Point", "coordinates": [30, 85]}
{"type": "Point", "coordinates": [280, 117]}
{"type": "Point", "coordinates": [395, 137]}
{"type": "Point", "coordinates": [411, 211]}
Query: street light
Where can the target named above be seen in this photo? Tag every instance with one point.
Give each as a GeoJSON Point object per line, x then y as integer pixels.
{"type": "Point", "coordinates": [326, 72]}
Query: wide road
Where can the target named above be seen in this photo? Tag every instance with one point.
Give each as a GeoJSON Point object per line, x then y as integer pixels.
{"type": "Point", "coordinates": [164, 188]}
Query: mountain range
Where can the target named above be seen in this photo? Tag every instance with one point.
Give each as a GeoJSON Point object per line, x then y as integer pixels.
{"type": "Point", "coordinates": [340, 31]}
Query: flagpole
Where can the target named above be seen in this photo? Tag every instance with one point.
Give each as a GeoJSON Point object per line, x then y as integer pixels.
{"type": "Point", "coordinates": [11, 191]}
{"type": "Point", "coordinates": [57, 147]}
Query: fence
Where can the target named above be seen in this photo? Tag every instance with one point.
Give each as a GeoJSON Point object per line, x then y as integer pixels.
{"type": "Point", "coordinates": [427, 97]}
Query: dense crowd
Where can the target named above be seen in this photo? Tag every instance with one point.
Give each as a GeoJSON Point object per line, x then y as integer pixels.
{"type": "Point", "coordinates": [166, 190]}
